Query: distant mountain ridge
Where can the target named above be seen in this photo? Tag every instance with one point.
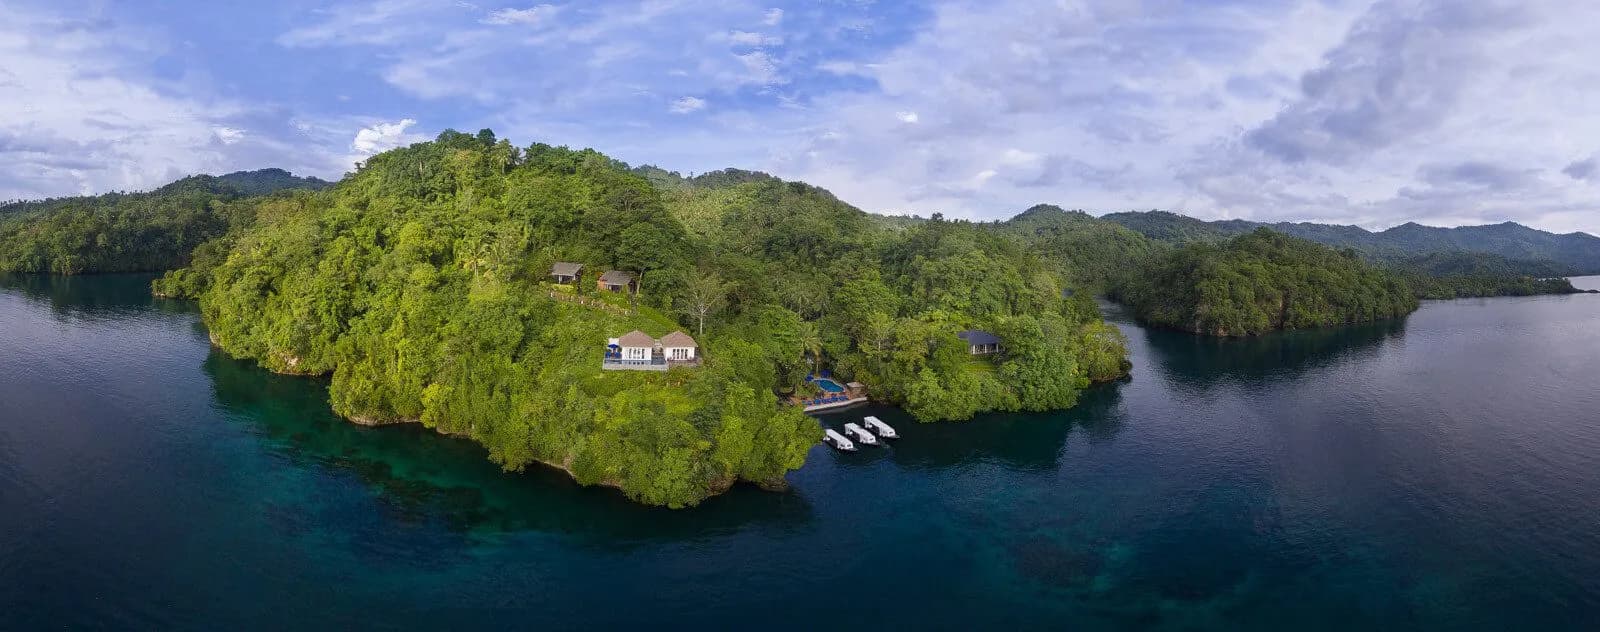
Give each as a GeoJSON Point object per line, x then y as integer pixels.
{"type": "Point", "coordinates": [1575, 253]}
{"type": "Point", "coordinates": [250, 183]}
{"type": "Point", "coordinates": [228, 186]}
{"type": "Point", "coordinates": [1531, 251]}
{"type": "Point", "coordinates": [135, 232]}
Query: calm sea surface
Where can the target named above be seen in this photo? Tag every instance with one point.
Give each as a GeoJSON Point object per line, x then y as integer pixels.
{"type": "Point", "coordinates": [1437, 473]}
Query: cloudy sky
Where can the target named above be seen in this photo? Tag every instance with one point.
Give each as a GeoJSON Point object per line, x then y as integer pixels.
{"type": "Point", "coordinates": [1354, 111]}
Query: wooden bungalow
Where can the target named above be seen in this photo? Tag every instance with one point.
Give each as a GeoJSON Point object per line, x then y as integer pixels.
{"type": "Point", "coordinates": [617, 281]}
{"type": "Point", "coordinates": [565, 273]}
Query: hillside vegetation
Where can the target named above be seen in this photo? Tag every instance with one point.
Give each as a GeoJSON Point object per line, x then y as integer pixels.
{"type": "Point", "coordinates": [1095, 253]}
{"type": "Point", "coordinates": [130, 232]}
{"type": "Point", "coordinates": [1261, 282]}
{"type": "Point", "coordinates": [1465, 275]}
{"type": "Point", "coordinates": [420, 284]}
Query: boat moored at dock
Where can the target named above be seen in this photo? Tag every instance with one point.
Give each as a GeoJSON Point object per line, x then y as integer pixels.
{"type": "Point", "coordinates": [860, 434]}
{"type": "Point", "coordinates": [876, 425]}
{"type": "Point", "coordinates": [833, 438]}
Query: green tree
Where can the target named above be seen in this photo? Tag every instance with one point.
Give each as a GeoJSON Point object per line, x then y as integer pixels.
{"type": "Point", "coordinates": [704, 295]}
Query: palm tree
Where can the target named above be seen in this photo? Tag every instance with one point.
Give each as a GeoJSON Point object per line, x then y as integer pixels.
{"type": "Point", "coordinates": [811, 343]}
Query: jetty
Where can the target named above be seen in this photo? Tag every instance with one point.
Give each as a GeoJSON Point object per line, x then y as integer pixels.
{"type": "Point", "coordinates": [830, 437]}
{"type": "Point", "coordinates": [860, 434]}
{"type": "Point", "coordinates": [835, 395]}
{"type": "Point", "coordinates": [876, 425]}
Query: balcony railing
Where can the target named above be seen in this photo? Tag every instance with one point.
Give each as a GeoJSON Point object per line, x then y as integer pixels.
{"type": "Point", "coordinates": [616, 361]}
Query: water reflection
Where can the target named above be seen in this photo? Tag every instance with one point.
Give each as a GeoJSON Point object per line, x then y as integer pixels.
{"type": "Point", "coordinates": [422, 477]}
{"type": "Point", "coordinates": [1029, 441]}
{"type": "Point", "coordinates": [96, 296]}
{"type": "Point", "coordinates": [1203, 361]}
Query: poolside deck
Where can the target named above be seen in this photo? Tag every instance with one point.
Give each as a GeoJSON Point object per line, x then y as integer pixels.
{"type": "Point", "coordinates": [846, 395]}
{"type": "Point", "coordinates": [836, 404]}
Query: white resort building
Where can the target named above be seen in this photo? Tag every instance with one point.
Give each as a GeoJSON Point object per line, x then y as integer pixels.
{"type": "Point", "coordinates": [638, 351]}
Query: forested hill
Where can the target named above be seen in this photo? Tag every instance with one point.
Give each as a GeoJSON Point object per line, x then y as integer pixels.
{"type": "Point", "coordinates": [421, 283]}
{"type": "Point", "coordinates": [248, 183]}
{"type": "Point", "coordinates": [1095, 253]}
{"type": "Point", "coordinates": [233, 185]}
{"type": "Point", "coordinates": [1261, 282]}
{"type": "Point", "coordinates": [1237, 275]}
{"type": "Point", "coordinates": [128, 232]}
{"type": "Point", "coordinates": [1573, 253]}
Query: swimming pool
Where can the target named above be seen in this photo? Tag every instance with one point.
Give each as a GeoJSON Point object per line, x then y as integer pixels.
{"type": "Point", "coordinates": [828, 385]}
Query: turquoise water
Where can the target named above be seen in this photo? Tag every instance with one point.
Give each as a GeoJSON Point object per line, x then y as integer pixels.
{"type": "Point", "coordinates": [828, 385]}
{"type": "Point", "coordinates": [1440, 473]}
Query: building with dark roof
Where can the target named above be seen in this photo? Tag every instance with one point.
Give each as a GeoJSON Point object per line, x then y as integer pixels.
{"type": "Point", "coordinates": [565, 273]}
{"type": "Point", "coordinates": [617, 281]}
{"type": "Point", "coordinates": [980, 342]}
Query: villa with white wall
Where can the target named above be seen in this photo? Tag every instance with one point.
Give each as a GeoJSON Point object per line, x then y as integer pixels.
{"type": "Point", "coordinates": [638, 351]}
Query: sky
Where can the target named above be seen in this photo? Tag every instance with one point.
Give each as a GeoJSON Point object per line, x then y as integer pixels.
{"type": "Point", "coordinates": [1376, 113]}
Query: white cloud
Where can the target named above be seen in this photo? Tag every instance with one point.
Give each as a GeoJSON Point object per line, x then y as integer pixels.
{"type": "Point", "coordinates": [80, 114]}
{"type": "Point", "coordinates": [228, 135]}
{"type": "Point", "coordinates": [685, 105]}
{"type": "Point", "coordinates": [844, 68]}
{"type": "Point", "coordinates": [377, 23]}
{"type": "Point", "coordinates": [1384, 111]}
{"type": "Point", "coordinates": [747, 38]}
{"type": "Point", "coordinates": [536, 15]}
{"type": "Point", "coordinates": [586, 55]}
{"type": "Point", "coordinates": [1368, 111]}
{"type": "Point", "coordinates": [1426, 110]}
{"type": "Point", "coordinates": [383, 136]}
{"type": "Point", "coordinates": [760, 68]}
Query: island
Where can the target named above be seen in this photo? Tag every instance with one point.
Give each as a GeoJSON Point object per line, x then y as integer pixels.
{"type": "Point", "coordinates": [493, 292]}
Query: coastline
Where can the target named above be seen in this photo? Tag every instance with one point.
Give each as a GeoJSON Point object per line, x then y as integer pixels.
{"type": "Point", "coordinates": [718, 488]}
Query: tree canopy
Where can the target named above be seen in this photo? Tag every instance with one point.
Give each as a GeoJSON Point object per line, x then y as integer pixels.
{"type": "Point", "coordinates": [1263, 281]}
{"type": "Point", "coordinates": [133, 232]}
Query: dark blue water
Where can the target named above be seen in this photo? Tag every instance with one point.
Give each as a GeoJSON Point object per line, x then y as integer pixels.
{"type": "Point", "coordinates": [1440, 473]}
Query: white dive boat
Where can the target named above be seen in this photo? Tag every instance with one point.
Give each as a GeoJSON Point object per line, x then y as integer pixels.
{"type": "Point", "coordinates": [838, 440]}
{"type": "Point", "coordinates": [876, 425]}
{"type": "Point", "coordinates": [860, 434]}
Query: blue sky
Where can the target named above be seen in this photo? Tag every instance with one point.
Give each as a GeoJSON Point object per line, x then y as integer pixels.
{"type": "Point", "coordinates": [1351, 111]}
